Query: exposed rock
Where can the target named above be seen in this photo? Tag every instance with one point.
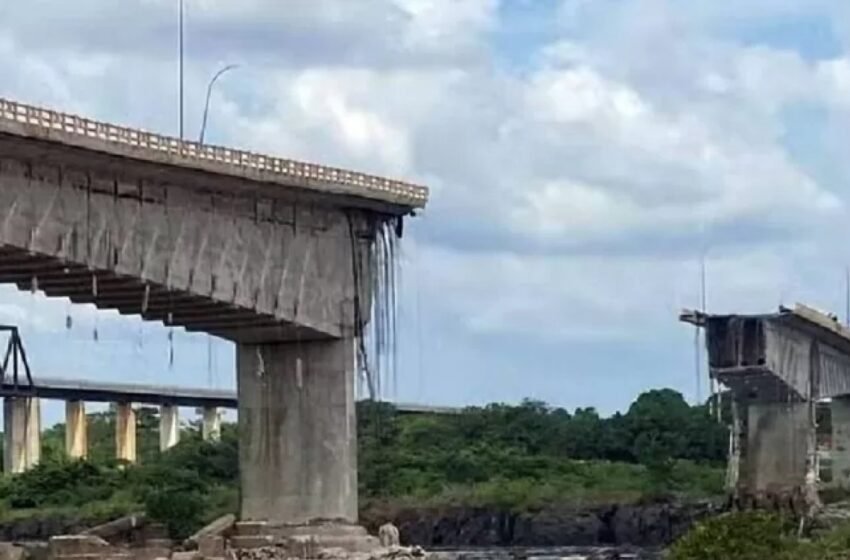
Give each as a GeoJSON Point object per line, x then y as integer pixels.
{"type": "Point", "coordinates": [652, 524]}
{"type": "Point", "coordinates": [388, 535]}
{"type": "Point", "coordinates": [221, 526]}
{"type": "Point", "coordinates": [9, 551]}
{"type": "Point", "coordinates": [120, 526]}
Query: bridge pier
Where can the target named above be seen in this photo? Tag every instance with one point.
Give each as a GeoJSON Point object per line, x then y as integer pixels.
{"type": "Point", "coordinates": [21, 434]}
{"type": "Point", "coordinates": [76, 437]}
{"type": "Point", "coordinates": [297, 428]}
{"type": "Point", "coordinates": [840, 453]}
{"type": "Point", "coordinates": [210, 424]}
{"type": "Point", "coordinates": [169, 426]}
{"type": "Point", "coordinates": [125, 432]}
{"type": "Point", "coordinates": [779, 441]}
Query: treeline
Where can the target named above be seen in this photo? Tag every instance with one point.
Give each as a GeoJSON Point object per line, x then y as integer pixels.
{"type": "Point", "coordinates": [423, 456]}
{"type": "Point", "coordinates": [512, 456]}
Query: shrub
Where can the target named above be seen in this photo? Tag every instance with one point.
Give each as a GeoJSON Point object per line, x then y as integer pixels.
{"type": "Point", "coordinates": [61, 483]}
{"type": "Point", "coordinates": [738, 536]}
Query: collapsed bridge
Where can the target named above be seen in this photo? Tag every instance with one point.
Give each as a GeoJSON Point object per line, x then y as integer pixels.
{"type": "Point", "coordinates": [287, 259]}
{"type": "Point", "coordinates": [778, 366]}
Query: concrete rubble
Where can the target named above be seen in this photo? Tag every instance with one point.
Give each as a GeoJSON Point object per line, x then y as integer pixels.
{"type": "Point", "coordinates": [132, 538]}
{"type": "Point", "coordinates": [281, 553]}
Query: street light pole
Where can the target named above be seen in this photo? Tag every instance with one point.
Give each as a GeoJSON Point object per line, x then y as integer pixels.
{"type": "Point", "coordinates": [207, 102]}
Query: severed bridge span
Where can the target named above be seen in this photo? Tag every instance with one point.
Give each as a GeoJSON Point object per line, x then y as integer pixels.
{"type": "Point", "coordinates": [286, 259]}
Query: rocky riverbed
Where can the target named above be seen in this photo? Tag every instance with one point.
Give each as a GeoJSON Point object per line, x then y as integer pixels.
{"type": "Point", "coordinates": [644, 525]}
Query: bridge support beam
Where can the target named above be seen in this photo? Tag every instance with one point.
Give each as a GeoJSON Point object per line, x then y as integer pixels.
{"type": "Point", "coordinates": [297, 428]}
{"type": "Point", "coordinates": [21, 434]}
{"type": "Point", "coordinates": [76, 437]}
{"type": "Point", "coordinates": [778, 447]}
{"type": "Point", "coordinates": [210, 424]}
{"type": "Point", "coordinates": [125, 432]}
{"type": "Point", "coordinates": [169, 426]}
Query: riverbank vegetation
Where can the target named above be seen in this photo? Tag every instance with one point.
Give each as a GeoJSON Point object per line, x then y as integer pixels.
{"type": "Point", "coordinates": [514, 457]}
{"type": "Point", "coordinates": [759, 536]}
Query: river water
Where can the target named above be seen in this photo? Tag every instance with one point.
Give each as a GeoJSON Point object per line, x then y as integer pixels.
{"type": "Point", "coordinates": [544, 553]}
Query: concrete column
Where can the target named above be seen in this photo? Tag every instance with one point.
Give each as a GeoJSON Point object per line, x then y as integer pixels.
{"type": "Point", "coordinates": [76, 437]}
{"type": "Point", "coordinates": [778, 442]}
{"type": "Point", "coordinates": [21, 433]}
{"type": "Point", "coordinates": [125, 432]}
{"type": "Point", "coordinates": [211, 424]}
{"type": "Point", "coordinates": [169, 426]}
{"type": "Point", "coordinates": [840, 452]}
{"type": "Point", "coordinates": [736, 437]}
{"type": "Point", "coordinates": [297, 431]}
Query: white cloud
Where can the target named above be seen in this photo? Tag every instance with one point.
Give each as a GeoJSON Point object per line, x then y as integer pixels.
{"type": "Point", "coordinates": [604, 138]}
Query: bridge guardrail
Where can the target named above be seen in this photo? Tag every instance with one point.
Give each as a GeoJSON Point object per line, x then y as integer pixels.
{"type": "Point", "coordinates": [358, 183]}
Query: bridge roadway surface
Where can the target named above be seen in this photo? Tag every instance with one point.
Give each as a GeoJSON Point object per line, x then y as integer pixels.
{"type": "Point", "coordinates": [100, 391]}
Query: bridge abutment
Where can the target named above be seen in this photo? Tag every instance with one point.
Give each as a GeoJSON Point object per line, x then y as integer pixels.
{"type": "Point", "coordinates": [21, 434]}
{"type": "Point", "coordinates": [298, 436]}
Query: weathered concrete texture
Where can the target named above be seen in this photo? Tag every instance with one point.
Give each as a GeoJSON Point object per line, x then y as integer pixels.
{"type": "Point", "coordinates": [778, 440]}
{"type": "Point", "coordinates": [210, 424]}
{"type": "Point", "coordinates": [125, 432]}
{"type": "Point", "coordinates": [297, 447]}
{"type": "Point", "coordinates": [76, 433]}
{"type": "Point", "coordinates": [840, 454]}
{"type": "Point", "coordinates": [240, 266]}
{"type": "Point", "coordinates": [169, 426]}
{"type": "Point", "coordinates": [21, 433]}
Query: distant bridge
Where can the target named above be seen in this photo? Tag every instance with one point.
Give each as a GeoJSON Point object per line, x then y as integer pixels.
{"type": "Point", "coordinates": [164, 395]}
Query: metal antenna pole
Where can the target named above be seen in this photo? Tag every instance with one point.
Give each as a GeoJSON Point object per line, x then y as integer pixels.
{"type": "Point", "coordinates": [207, 102]}
{"type": "Point", "coordinates": [847, 296]}
{"type": "Point", "coordinates": [180, 65]}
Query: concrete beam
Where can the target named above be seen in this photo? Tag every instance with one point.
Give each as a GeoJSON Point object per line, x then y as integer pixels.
{"type": "Point", "coordinates": [76, 430]}
{"type": "Point", "coordinates": [169, 427]}
{"type": "Point", "coordinates": [125, 432]}
{"type": "Point", "coordinates": [21, 433]}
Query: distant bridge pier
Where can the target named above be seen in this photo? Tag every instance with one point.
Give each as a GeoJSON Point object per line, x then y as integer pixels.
{"type": "Point", "coordinates": [125, 432]}
{"type": "Point", "coordinates": [210, 423]}
{"type": "Point", "coordinates": [21, 433]}
{"type": "Point", "coordinates": [297, 431]}
{"type": "Point", "coordinates": [169, 426]}
{"type": "Point", "coordinates": [76, 430]}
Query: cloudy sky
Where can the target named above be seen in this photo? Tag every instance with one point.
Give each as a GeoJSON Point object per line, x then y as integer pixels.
{"type": "Point", "coordinates": [582, 155]}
